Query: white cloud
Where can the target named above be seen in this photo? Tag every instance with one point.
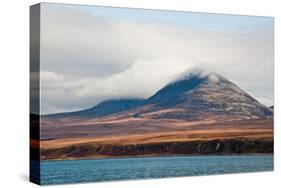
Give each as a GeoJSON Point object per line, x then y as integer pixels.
{"type": "Point", "coordinates": [86, 59]}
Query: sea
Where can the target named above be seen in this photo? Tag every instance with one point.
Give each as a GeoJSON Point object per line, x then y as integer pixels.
{"type": "Point", "coordinates": [115, 169]}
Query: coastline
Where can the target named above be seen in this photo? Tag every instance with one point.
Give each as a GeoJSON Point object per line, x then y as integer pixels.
{"type": "Point", "coordinates": [163, 156]}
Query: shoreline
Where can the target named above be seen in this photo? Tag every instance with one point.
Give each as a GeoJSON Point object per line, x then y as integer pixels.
{"type": "Point", "coordinates": [163, 156]}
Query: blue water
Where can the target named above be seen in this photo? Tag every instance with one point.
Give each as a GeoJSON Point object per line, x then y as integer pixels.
{"type": "Point", "coordinates": [75, 171]}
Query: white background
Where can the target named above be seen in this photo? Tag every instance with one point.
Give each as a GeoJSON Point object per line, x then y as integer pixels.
{"type": "Point", "coordinates": [14, 91]}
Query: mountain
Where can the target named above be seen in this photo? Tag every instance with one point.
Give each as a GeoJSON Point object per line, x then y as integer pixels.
{"type": "Point", "coordinates": [199, 96]}
{"type": "Point", "coordinates": [194, 97]}
{"type": "Point", "coordinates": [102, 109]}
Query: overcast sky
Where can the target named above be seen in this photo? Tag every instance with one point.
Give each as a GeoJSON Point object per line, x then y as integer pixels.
{"type": "Point", "coordinates": [90, 54]}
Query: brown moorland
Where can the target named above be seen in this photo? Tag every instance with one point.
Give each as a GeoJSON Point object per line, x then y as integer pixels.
{"type": "Point", "coordinates": [147, 137]}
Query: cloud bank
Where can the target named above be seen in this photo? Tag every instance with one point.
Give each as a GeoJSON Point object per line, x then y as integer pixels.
{"type": "Point", "coordinates": [87, 58]}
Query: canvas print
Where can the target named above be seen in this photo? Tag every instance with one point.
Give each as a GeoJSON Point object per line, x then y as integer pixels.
{"type": "Point", "coordinates": [122, 93]}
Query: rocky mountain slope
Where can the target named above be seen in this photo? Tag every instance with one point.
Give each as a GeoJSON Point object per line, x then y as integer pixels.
{"type": "Point", "coordinates": [199, 97]}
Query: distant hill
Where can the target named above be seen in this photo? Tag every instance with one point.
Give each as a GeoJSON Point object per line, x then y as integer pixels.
{"type": "Point", "coordinates": [193, 97]}
{"type": "Point", "coordinates": [102, 109]}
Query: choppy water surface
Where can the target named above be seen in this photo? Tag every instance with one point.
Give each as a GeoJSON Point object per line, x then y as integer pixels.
{"type": "Point", "coordinates": [75, 171]}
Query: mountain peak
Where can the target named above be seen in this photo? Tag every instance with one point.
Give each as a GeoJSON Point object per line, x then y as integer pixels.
{"type": "Point", "coordinates": [208, 94]}
{"type": "Point", "coordinates": [185, 84]}
{"type": "Point", "coordinates": [214, 78]}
